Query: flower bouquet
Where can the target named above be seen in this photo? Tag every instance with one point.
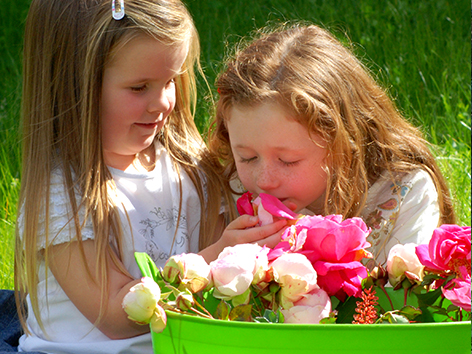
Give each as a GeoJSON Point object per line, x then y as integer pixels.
{"type": "Point", "coordinates": [309, 291]}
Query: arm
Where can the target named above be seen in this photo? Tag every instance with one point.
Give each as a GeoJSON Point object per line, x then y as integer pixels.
{"type": "Point", "coordinates": [244, 230]}
{"type": "Point", "coordinates": [84, 289]}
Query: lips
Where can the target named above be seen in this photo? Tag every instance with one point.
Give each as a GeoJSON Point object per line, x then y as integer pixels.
{"type": "Point", "coordinates": [147, 125]}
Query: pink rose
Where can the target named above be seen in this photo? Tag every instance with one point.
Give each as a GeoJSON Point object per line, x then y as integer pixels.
{"type": "Point", "coordinates": [335, 248]}
{"type": "Point", "coordinates": [402, 262]}
{"type": "Point", "coordinates": [233, 272]}
{"type": "Point", "coordinates": [311, 308]}
{"type": "Point", "coordinates": [448, 249]}
{"type": "Point", "coordinates": [295, 275]}
{"type": "Point", "coordinates": [458, 290]}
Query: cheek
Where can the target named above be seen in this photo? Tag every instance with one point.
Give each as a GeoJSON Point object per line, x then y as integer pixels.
{"type": "Point", "coordinates": [245, 176]}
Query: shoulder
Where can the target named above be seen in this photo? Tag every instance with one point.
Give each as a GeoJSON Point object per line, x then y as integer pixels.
{"type": "Point", "coordinates": [401, 185]}
{"type": "Point", "coordinates": [401, 208]}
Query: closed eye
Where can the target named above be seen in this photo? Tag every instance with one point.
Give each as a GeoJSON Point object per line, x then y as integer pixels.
{"type": "Point", "coordinates": [289, 163]}
{"type": "Point", "coordinates": [243, 160]}
{"type": "Point", "coordinates": [139, 88]}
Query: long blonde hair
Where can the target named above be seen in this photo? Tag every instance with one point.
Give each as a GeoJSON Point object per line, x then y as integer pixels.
{"type": "Point", "coordinates": [66, 48]}
{"type": "Point", "coordinates": [332, 94]}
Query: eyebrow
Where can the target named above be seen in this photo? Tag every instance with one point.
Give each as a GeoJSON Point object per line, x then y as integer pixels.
{"type": "Point", "coordinates": [279, 148]}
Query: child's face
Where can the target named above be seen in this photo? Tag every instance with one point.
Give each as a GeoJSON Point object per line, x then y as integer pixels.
{"type": "Point", "coordinates": [274, 154]}
{"type": "Point", "coordinates": [138, 94]}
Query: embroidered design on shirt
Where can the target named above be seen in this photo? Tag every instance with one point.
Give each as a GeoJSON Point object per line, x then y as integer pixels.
{"type": "Point", "coordinates": [383, 218]}
{"type": "Point", "coordinates": [163, 218]}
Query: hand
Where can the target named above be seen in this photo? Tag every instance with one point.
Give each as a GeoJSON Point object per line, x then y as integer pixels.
{"type": "Point", "coordinates": [244, 229]}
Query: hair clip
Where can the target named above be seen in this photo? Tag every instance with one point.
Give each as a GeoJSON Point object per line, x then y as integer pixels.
{"type": "Point", "coordinates": [118, 9]}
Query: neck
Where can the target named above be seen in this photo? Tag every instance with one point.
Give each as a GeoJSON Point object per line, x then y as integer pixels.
{"type": "Point", "coordinates": [141, 162]}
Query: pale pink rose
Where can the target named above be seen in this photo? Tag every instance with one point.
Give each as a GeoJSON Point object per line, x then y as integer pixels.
{"type": "Point", "coordinates": [261, 266]}
{"type": "Point", "coordinates": [158, 320]}
{"type": "Point", "coordinates": [458, 290]}
{"type": "Point", "coordinates": [402, 262]}
{"type": "Point", "coordinates": [295, 275]}
{"type": "Point", "coordinates": [448, 249]}
{"type": "Point", "coordinates": [233, 271]}
{"type": "Point", "coordinates": [141, 300]}
{"type": "Point", "coordinates": [189, 269]}
{"type": "Point", "coordinates": [311, 308]}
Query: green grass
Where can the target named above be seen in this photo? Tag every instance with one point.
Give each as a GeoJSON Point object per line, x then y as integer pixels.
{"type": "Point", "coordinates": [418, 50]}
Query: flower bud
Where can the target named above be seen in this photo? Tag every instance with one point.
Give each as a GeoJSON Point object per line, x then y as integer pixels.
{"type": "Point", "coordinates": [189, 269]}
{"type": "Point", "coordinates": [184, 300]}
{"type": "Point", "coordinates": [173, 270]}
{"type": "Point", "coordinates": [403, 262]}
{"type": "Point", "coordinates": [158, 320]}
{"type": "Point", "coordinates": [141, 300]}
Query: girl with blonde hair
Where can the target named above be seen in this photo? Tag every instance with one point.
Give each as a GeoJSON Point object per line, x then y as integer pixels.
{"type": "Point", "coordinates": [299, 117]}
{"type": "Point", "coordinates": [112, 164]}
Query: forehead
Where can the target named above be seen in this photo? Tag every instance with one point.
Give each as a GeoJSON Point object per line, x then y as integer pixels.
{"type": "Point", "coordinates": [269, 125]}
{"type": "Point", "coordinates": [143, 47]}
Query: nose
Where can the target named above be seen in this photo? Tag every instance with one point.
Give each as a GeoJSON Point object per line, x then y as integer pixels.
{"type": "Point", "coordinates": [266, 178]}
{"type": "Point", "coordinates": [160, 102]}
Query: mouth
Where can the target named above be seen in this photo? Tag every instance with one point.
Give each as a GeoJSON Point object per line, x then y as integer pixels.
{"type": "Point", "coordinates": [147, 125]}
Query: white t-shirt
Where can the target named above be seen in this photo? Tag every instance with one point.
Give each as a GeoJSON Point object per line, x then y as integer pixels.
{"type": "Point", "coordinates": [402, 210]}
{"type": "Point", "coordinates": [152, 202]}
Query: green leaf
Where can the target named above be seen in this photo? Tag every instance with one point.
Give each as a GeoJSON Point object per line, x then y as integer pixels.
{"type": "Point", "coordinates": [147, 266]}
{"type": "Point", "coordinates": [222, 310]}
{"type": "Point", "coordinates": [210, 302]}
{"type": "Point", "coordinates": [347, 309]}
{"type": "Point", "coordinates": [261, 320]}
{"type": "Point", "coordinates": [410, 312]}
{"type": "Point", "coordinates": [241, 313]}
{"type": "Point", "coordinates": [391, 317]}
{"type": "Point", "coordinates": [328, 320]}
{"type": "Point", "coordinates": [281, 316]}
{"type": "Point", "coordinates": [429, 298]}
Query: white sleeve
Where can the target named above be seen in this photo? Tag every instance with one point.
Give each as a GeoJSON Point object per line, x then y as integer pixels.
{"type": "Point", "coordinates": [402, 211]}
{"type": "Point", "coordinates": [419, 213]}
{"type": "Point", "coordinates": [61, 223]}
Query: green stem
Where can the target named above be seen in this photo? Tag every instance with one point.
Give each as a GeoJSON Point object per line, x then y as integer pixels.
{"type": "Point", "coordinates": [388, 297]}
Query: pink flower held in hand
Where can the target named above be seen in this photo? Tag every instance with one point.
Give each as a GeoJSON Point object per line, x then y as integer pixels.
{"type": "Point", "coordinates": [402, 262]}
{"type": "Point", "coordinates": [244, 204]}
{"type": "Point", "coordinates": [295, 275]}
{"type": "Point", "coordinates": [458, 290]}
{"type": "Point", "coordinates": [448, 250]}
{"type": "Point", "coordinates": [141, 301]}
{"type": "Point", "coordinates": [311, 308]}
{"type": "Point", "coordinates": [267, 207]}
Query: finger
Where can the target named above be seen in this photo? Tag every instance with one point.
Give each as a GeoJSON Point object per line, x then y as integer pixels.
{"type": "Point", "coordinates": [243, 222]}
{"type": "Point", "coordinates": [272, 240]}
{"type": "Point", "coordinates": [260, 233]}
